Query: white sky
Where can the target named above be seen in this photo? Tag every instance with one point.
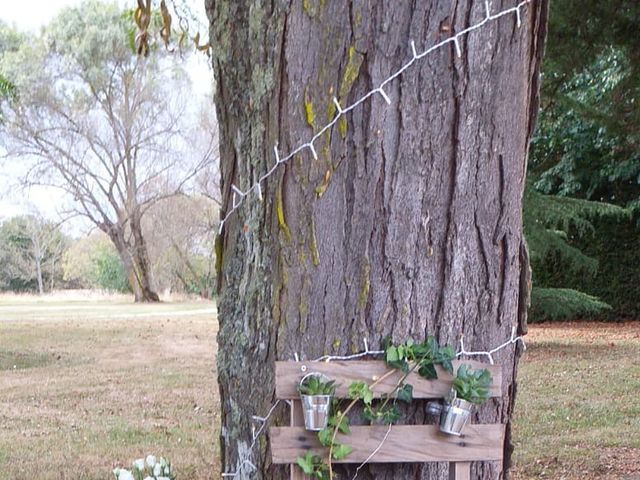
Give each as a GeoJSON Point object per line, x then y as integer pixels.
{"type": "Point", "coordinates": [30, 15]}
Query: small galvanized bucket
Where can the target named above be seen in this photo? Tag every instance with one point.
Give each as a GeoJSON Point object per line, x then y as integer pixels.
{"type": "Point", "coordinates": [454, 414]}
{"type": "Point", "coordinates": [316, 408]}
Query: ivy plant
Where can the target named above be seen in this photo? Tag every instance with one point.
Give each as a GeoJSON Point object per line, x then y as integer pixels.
{"type": "Point", "coordinates": [425, 356]}
{"type": "Point", "coordinates": [472, 385]}
{"type": "Point", "coordinates": [315, 385]}
{"type": "Point", "coordinates": [407, 357]}
{"type": "Point", "coordinates": [313, 466]}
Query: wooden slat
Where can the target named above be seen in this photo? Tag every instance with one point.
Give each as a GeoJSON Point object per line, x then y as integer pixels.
{"type": "Point", "coordinates": [460, 471]}
{"type": "Point", "coordinates": [297, 419]}
{"type": "Point", "coordinates": [289, 374]}
{"type": "Point", "coordinates": [406, 443]}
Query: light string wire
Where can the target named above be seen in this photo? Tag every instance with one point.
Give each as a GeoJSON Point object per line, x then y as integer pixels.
{"type": "Point", "coordinates": [263, 421]}
{"type": "Point", "coordinates": [239, 195]}
{"type": "Point", "coordinates": [489, 354]}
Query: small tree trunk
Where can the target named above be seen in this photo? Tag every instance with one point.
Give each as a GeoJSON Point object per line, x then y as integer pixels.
{"type": "Point", "coordinates": [38, 262]}
{"type": "Point", "coordinates": [53, 274]}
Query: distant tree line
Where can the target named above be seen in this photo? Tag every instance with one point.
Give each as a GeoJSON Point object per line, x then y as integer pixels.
{"type": "Point", "coordinates": [37, 256]}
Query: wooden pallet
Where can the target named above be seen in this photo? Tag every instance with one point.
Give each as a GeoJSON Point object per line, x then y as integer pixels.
{"type": "Point", "coordinates": [479, 442]}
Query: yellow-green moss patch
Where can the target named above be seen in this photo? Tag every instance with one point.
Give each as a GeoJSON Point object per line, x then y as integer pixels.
{"type": "Point", "coordinates": [284, 228]}
{"type": "Point", "coordinates": [308, 110]}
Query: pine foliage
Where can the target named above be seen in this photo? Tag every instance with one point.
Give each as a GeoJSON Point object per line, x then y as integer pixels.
{"type": "Point", "coordinates": [564, 304]}
{"type": "Point", "coordinates": [549, 222]}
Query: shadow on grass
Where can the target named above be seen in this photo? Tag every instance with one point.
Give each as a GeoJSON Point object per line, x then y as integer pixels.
{"type": "Point", "coordinates": [22, 360]}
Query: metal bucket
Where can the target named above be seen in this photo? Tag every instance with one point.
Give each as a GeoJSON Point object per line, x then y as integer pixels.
{"type": "Point", "coordinates": [454, 416]}
{"type": "Point", "coordinates": [316, 411]}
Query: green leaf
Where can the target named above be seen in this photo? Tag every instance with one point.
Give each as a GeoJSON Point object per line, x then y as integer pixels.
{"type": "Point", "coordinates": [313, 466]}
{"type": "Point", "coordinates": [405, 393]}
{"type": "Point", "coordinates": [447, 365]}
{"type": "Point", "coordinates": [354, 389]}
{"type": "Point", "coordinates": [343, 427]}
{"type": "Point", "coordinates": [428, 371]}
{"type": "Point", "coordinates": [392, 355]}
{"type": "Point", "coordinates": [390, 414]}
{"type": "Point", "coordinates": [360, 390]}
{"type": "Point", "coordinates": [401, 365]}
{"type": "Point", "coordinates": [367, 396]}
{"type": "Point", "coordinates": [340, 451]}
{"type": "Point", "coordinates": [324, 437]}
{"type": "Point", "coordinates": [472, 386]}
{"type": "Point", "coordinates": [313, 385]}
{"type": "Point", "coordinates": [306, 463]}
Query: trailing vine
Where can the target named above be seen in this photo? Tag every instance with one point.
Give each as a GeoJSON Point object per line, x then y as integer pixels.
{"type": "Point", "coordinates": [407, 357]}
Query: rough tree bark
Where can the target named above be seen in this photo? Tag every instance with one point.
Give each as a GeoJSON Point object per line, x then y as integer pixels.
{"type": "Point", "coordinates": [409, 222]}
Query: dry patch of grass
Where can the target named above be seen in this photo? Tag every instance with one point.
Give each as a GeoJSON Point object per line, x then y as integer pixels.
{"type": "Point", "coordinates": [577, 411]}
{"type": "Point", "coordinates": [93, 385]}
{"type": "Point", "coordinates": [90, 384]}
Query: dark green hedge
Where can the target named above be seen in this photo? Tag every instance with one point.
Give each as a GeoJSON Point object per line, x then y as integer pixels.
{"type": "Point", "coordinates": [615, 244]}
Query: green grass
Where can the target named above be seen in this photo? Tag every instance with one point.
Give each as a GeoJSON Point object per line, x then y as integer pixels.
{"type": "Point", "coordinates": [18, 360]}
{"type": "Point", "coordinates": [577, 406]}
{"type": "Point", "coordinates": [99, 383]}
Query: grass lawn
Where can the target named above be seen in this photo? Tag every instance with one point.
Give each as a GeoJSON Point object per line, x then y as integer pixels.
{"type": "Point", "coordinates": [88, 384]}
{"type": "Point", "coordinates": [578, 408]}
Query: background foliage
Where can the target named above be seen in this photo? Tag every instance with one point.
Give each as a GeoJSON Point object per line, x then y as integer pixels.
{"type": "Point", "coordinates": [585, 152]}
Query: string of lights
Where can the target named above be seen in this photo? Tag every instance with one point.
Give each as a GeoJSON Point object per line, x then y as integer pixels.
{"type": "Point", "coordinates": [239, 195]}
{"type": "Point", "coordinates": [489, 354]}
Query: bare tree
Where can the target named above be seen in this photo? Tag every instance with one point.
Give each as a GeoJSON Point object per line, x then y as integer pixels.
{"type": "Point", "coordinates": [103, 125]}
{"type": "Point", "coordinates": [32, 248]}
{"type": "Point", "coordinates": [45, 247]}
{"type": "Point", "coordinates": [181, 233]}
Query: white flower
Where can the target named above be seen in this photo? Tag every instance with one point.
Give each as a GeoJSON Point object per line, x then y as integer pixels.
{"type": "Point", "coordinates": [163, 462]}
{"type": "Point", "coordinates": [151, 461]}
{"type": "Point", "coordinates": [163, 478]}
{"type": "Point", "coordinates": [116, 472]}
{"type": "Point", "coordinates": [125, 475]}
{"type": "Point", "coordinates": [157, 470]}
{"type": "Point", "coordinates": [167, 469]}
{"type": "Point", "coordinates": [139, 464]}
{"type": "Point", "coordinates": [148, 478]}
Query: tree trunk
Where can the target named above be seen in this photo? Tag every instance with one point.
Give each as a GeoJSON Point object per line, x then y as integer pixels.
{"type": "Point", "coordinates": [52, 282]}
{"type": "Point", "coordinates": [38, 262]}
{"type": "Point", "coordinates": [135, 262]}
{"type": "Point", "coordinates": [407, 224]}
{"type": "Point", "coordinates": [142, 265]}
